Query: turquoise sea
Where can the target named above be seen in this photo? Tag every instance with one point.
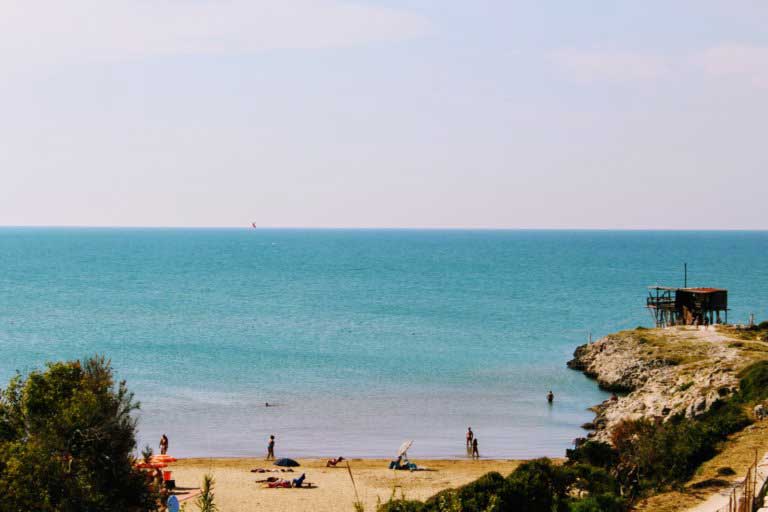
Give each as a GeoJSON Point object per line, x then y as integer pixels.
{"type": "Point", "coordinates": [362, 338]}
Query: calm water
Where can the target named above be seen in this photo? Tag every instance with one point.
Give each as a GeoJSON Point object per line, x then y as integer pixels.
{"type": "Point", "coordinates": [363, 338]}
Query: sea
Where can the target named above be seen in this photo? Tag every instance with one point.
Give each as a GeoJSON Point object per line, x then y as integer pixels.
{"type": "Point", "coordinates": [358, 339]}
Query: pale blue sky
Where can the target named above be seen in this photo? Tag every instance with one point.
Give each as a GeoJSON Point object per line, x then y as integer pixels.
{"type": "Point", "coordinates": [326, 113]}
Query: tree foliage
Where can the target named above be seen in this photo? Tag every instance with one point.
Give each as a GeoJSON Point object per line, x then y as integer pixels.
{"type": "Point", "coordinates": [66, 442]}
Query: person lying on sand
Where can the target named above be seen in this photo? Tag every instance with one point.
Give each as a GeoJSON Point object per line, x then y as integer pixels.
{"type": "Point", "coordinates": [272, 470]}
{"type": "Point", "coordinates": [332, 462]}
{"type": "Point", "coordinates": [267, 480]}
{"type": "Point", "coordinates": [287, 484]}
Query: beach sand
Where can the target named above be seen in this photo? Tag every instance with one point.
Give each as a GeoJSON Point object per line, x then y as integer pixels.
{"type": "Point", "coordinates": [236, 490]}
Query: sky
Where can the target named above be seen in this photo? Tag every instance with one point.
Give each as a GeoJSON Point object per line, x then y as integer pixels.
{"type": "Point", "coordinates": [364, 113]}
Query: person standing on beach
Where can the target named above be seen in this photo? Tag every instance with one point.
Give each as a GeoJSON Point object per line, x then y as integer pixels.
{"type": "Point", "coordinates": [475, 453]}
{"type": "Point", "coordinates": [470, 436]}
{"type": "Point", "coordinates": [163, 445]}
{"type": "Point", "coordinates": [271, 448]}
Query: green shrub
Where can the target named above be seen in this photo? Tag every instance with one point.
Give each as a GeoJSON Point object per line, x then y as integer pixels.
{"type": "Point", "coordinates": [540, 486]}
{"type": "Point", "coordinates": [476, 496]}
{"type": "Point", "coordinates": [535, 486]}
{"type": "Point", "coordinates": [710, 483]}
{"type": "Point", "coordinates": [659, 455]}
{"type": "Point", "coordinates": [66, 442]}
{"type": "Point", "coordinates": [723, 419]}
{"type": "Point", "coordinates": [596, 453]}
{"type": "Point", "coordinates": [753, 386]}
{"type": "Point", "coordinates": [401, 505]}
{"type": "Point", "coordinates": [594, 480]}
{"type": "Point", "coordinates": [206, 501]}
{"type": "Point", "coordinates": [599, 503]}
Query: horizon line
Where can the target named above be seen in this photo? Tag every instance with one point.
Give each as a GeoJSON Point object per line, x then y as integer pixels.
{"type": "Point", "coordinates": [371, 228]}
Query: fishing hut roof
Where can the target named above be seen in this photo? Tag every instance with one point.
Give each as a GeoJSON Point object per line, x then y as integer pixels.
{"type": "Point", "coordinates": [691, 290]}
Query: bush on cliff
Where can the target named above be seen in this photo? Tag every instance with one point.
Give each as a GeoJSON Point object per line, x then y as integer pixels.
{"type": "Point", "coordinates": [594, 453]}
{"type": "Point", "coordinates": [753, 384]}
{"type": "Point", "coordinates": [594, 480]}
{"type": "Point", "coordinates": [656, 455]}
{"type": "Point", "coordinates": [66, 439]}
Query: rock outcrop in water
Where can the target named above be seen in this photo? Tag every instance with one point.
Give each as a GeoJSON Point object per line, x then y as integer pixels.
{"type": "Point", "coordinates": [664, 372]}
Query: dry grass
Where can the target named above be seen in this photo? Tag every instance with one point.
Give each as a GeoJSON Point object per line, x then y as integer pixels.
{"type": "Point", "coordinates": [754, 334]}
{"type": "Point", "coordinates": [676, 346]}
{"type": "Point", "coordinates": [695, 350]}
{"type": "Point", "coordinates": [738, 453]}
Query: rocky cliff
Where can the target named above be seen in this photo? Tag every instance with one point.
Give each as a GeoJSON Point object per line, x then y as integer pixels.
{"type": "Point", "coordinates": [664, 372]}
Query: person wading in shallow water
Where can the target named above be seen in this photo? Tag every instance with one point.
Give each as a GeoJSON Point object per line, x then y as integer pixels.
{"type": "Point", "coordinates": [470, 436]}
{"type": "Point", "coordinates": [550, 396]}
{"type": "Point", "coordinates": [475, 453]}
{"type": "Point", "coordinates": [163, 445]}
{"type": "Point", "coordinates": [271, 448]}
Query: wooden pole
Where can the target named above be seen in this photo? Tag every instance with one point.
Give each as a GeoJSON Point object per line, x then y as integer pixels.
{"type": "Point", "coordinates": [357, 498]}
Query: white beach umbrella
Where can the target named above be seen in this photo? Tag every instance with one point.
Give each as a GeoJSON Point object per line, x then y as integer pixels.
{"type": "Point", "coordinates": [404, 448]}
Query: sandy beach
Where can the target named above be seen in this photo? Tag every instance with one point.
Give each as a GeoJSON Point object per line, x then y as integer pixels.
{"type": "Point", "coordinates": [236, 489]}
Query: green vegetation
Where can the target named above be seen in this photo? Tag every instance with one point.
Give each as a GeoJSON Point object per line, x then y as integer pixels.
{"type": "Point", "coordinates": [654, 456]}
{"type": "Point", "coordinates": [66, 439]}
{"type": "Point", "coordinates": [535, 486]}
{"type": "Point", "coordinates": [753, 384]}
{"type": "Point", "coordinates": [646, 457]}
{"type": "Point", "coordinates": [205, 502]}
